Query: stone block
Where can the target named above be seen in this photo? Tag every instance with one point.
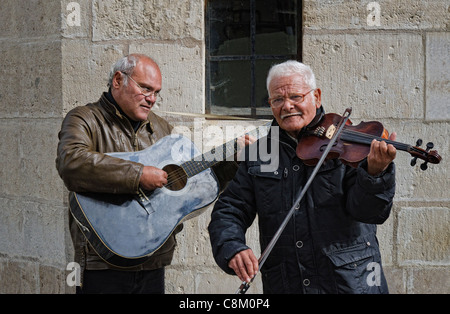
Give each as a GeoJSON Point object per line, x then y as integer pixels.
{"type": "Point", "coordinates": [438, 76]}
{"type": "Point", "coordinates": [52, 280]}
{"type": "Point", "coordinates": [395, 278]}
{"type": "Point", "coordinates": [379, 75]}
{"type": "Point", "coordinates": [412, 183]}
{"type": "Point", "coordinates": [193, 245]}
{"type": "Point", "coordinates": [179, 280]}
{"type": "Point", "coordinates": [86, 68]}
{"type": "Point", "coordinates": [29, 158]}
{"type": "Point", "coordinates": [30, 19]}
{"type": "Point", "coordinates": [18, 277]}
{"type": "Point", "coordinates": [393, 15]}
{"type": "Point", "coordinates": [30, 79]}
{"type": "Point", "coordinates": [423, 236]}
{"type": "Point", "coordinates": [182, 69]}
{"type": "Point", "coordinates": [431, 280]}
{"type": "Point", "coordinates": [385, 234]}
{"type": "Point", "coordinates": [153, 19]}
{"type": "Point", "coordinates": [33, 230]}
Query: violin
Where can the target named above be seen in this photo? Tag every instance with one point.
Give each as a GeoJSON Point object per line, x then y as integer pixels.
{"type": "Point", "coordinates": [353, 144]}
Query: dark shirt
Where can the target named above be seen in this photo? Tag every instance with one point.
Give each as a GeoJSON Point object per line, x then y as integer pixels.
{"type": "Point", "coordinates": [134, 124]}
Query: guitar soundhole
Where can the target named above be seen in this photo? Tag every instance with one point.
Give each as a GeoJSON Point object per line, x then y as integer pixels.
{"type": "Point", "coordinates": [177, 177]}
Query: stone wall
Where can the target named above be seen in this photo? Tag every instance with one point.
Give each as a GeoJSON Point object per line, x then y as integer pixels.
{"type": "Point", "coordinates": [56, 55]}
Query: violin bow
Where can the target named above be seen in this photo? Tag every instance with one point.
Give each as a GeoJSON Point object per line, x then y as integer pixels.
{"type": "Point", "coordinates": [246, 285]}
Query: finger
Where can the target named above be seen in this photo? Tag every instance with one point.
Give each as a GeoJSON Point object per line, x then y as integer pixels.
{"type": "Point", "coordinates": [383, 147]}
{"type": "Point", "coordinates": [252, 262]}
{"type": "Point", "coordinates": [244, 271]}
{"type": "Point", "coordinates": [393, 136]}
{"type": "Point", "coordinates": [239, 268]}
{"type": "Point", "coordinates": [392, 152]}
{"type": "Point", "coordinates": [249, 267]}
{"type": "Point", "coordinates": [374, 148]}
{"type": "Point", "coordinates": [249, 139]}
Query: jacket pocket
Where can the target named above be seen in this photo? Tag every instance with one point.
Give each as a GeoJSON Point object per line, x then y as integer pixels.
{"type": "Point", "coordinates": [356, 268]}
{"type": "Point", "coordinates": [275, 280]}
{"type": "Point", "coordinates": [267, 188]}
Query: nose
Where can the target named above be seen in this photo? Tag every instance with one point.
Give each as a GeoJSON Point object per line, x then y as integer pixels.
{"type": "Point", "coordinates": [151, 96]}
{"type": "Point", "coordinates": [289, 102]}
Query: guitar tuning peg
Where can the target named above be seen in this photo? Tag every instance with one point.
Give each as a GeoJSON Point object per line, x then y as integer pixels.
{"type": "Point", "coordinates": [430, 145]}
{"type": "Point", "coordinates": [424, 166]}
{"type": "Point", "coordinates": [419, 142]}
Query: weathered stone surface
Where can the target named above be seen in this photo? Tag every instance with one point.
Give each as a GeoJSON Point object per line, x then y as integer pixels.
{"type": "Point", "coordinates": [438, 76]}
{"type": "Point", "coordinates": [183, 74]}
{"type": "Point", "coordinates": [154, 19]}
{"type": "Point", "coordinates": [30, 78]}
{"type": "Point", "coordinates": [393, 15]}
{"type": "Point", "coordinates": [28, 160]}
{"type": "Point", "coordinates": [379, 75]}
{"type": "Point", "coordinates": [423, 236]}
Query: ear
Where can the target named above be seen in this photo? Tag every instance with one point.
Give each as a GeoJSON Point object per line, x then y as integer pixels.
{"type": "Point", "coordinates": [117, 80]}
{"type": "Point", "coordinates": [318, 97]}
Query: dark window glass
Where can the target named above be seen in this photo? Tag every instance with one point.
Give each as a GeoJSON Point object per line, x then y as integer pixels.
{"type": "Point", "coordinates": [244, 38]}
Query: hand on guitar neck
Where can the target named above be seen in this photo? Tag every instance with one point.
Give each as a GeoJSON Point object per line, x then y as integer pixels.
{"type": "Point", "coordinates": [241, 143]}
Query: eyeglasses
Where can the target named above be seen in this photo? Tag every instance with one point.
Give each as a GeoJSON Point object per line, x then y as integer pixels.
{"type": "Point", "coordinates": [144, 91]}
{"type": "Point", "coordinates": [296, 99]}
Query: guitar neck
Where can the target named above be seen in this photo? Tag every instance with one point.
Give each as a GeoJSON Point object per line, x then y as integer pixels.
{"type": "Point", "coordinates": [224, 152]}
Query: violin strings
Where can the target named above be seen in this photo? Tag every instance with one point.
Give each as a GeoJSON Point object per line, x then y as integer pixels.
{"type": "Point", "coordinates": [355, 135]}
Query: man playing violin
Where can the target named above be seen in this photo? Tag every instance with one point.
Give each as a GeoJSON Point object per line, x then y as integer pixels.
{"type": "Point", "coordinates": [329, 244]}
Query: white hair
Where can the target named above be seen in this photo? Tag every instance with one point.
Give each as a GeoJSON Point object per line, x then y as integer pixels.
{"type": "Point", "coordinates": [289, 68]}
{"type": "Point", "coordinates": [125, 65]}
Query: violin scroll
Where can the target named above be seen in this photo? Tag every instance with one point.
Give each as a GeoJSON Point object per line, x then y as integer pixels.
{"type": "Point", "coordinates": [427, 155]}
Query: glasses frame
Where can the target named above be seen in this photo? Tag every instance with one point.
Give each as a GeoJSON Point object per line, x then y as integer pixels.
{"type": "Point", "coordinates": [143, 90]}
{"type": "Point", "coordinates": [289, 98]}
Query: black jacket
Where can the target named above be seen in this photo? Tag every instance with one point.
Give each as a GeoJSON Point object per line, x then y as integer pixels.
{"type": "Point", "coordinates": [329, 245]}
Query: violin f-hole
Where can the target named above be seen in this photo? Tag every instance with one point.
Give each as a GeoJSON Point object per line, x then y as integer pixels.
{"type": "Point", "coordinates": [323, 147]}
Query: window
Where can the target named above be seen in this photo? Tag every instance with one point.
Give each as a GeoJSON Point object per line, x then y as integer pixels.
{"type": "Point", "coordinates": [244, 38]}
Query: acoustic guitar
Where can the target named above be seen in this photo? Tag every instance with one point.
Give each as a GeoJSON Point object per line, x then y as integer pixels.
{"type": "Point", "coordinates": [126, 229]}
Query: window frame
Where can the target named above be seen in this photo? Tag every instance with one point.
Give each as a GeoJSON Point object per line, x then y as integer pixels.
{"type": "Point", "coordinates": [253, 57]}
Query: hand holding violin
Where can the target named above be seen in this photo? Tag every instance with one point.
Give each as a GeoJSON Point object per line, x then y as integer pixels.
{"type": "Point", "coordinates": [380, 155]}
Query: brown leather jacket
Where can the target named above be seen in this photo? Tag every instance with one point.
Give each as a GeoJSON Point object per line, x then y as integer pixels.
{"type": "Point", "coordinates": [87, 133]}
